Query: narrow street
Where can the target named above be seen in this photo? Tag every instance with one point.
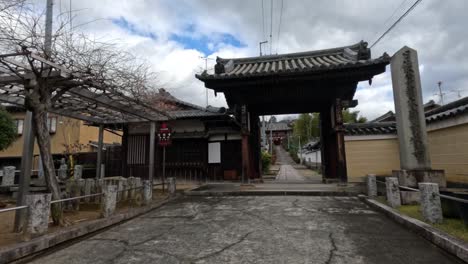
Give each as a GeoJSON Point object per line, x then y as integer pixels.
{"type": "Point", "coordinates": [260, 229]}
{"type": "Point", "coordinates": [287, 172]}
{"type": "Point", "coordinates": [290, 171]}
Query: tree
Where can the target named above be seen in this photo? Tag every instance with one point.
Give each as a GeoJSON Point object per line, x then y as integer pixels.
{"type": "Point", "coordinates": [7, 129]}
{"type": "Point", "coordinates": [91, 64]}
{"type": "Point", "coordinates": [307, 127]}
{"type": "Point", "coordinates": [353, 117]}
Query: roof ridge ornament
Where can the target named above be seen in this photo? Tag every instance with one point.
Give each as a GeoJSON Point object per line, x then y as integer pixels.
{"type": "Point", "coordinates": [223, 68]}
{"type": "Point", "coordinates": [364, 53]}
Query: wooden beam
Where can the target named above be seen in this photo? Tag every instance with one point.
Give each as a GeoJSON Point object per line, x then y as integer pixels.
{"type": "Point", "coordinates": [18, 101]}
{"type": "Point", "coordinates": [99, 152]}
{"type": "Point", "coordinates": [109, 103]}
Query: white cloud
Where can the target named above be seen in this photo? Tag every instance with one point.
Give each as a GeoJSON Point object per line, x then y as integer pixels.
{"type": "Point", "coordinates": [435, 28]}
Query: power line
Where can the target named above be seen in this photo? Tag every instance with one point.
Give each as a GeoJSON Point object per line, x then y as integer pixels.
{"type": "Point", "coordinates": [391, 16]}
{"type": "Point", "coordinates": [279, 26]}
{"type": "Point", "coordinates": [271, 25]}
{"type": "Point", "coordinates": [396, 22]}
{"type": "Point", "coordinates": [263, 19]}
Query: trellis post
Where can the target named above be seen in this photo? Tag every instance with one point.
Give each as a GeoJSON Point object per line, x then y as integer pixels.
{"type": "Point", "coordinates": [25, 170]}
{"type": "Point", "coordinates": [99, 151]}
{"type": "Point", "coordinates": [151, 151]}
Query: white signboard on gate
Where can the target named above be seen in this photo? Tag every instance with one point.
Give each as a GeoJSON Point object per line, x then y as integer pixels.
{"type": "Point", "coordinates": [214, 152]}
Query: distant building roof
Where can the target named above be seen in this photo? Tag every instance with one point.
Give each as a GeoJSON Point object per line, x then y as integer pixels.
{"type": "Point", "coordinates": [390, 116]}
{"type": "Point", "coordinates": [356, 55]}
{"type": "Point", "coordinates": [180, 109]}
{"type": "Point", "coordinates": [380, 127]}
{"type": "Point", "coordinates": [278, 126]}
{"type": "Point", "coordinates": [449, 110]}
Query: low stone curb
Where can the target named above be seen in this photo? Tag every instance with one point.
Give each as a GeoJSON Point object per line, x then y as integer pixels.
{"type": "Point", "coordinates": [441, 239]}
{"type": "Point", "coordinates": [24, 249]}
{"type": "Point", "coordinates": [267, 193]}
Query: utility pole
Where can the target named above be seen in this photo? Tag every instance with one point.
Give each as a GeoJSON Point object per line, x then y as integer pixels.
{"type": "Point", "coordinates": [206, 69]}
{"type": "Point", "coordinates": [48, 29]}
{"type": "Point", "coordinates": [441, 95]}
{"type": "Point", "coordinates": [260, 44]}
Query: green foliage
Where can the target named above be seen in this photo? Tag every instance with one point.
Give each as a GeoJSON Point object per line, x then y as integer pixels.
{"type": "Point", "coordinates": [353, 117]}
{"type": "Point", "coordinates": [266, 161]}
{"type": "Point", "coordinates": [453, 226]}
{"type": "Point", "coordinates": [7, 129]}
{"type": "Point", "coordinates": [293, 153]}
{"type": "Point", "coordinates": [306, 127]}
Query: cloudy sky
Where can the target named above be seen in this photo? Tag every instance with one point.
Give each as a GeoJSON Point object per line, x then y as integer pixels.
{"type": "Point", "coordinates": [174, 34]}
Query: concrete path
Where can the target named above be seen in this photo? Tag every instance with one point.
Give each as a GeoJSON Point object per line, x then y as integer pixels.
{"type": "Point", "coordinates": [262, 229]}
{"type": "Point", "coordinates": [287, 172]}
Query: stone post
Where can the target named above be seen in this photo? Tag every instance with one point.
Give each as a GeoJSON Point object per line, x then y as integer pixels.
{"type": "Point", "coordinates": [430, 202]}
{"type": "Point", "coordinates": [78, 189]}
{"type": "Point", "coordinates": [393, 191]}
{"type": "Point", "coordinates": [89, 187]}
{"type": "Point", "coordinates": [147, 192]}
{"type": "Point", "coordinates": [172, 186]}
{"type": "Point", "coordinates": [109, 200]}
{"type": "Point", "coordinates": [69, 185]}
{"type": "Point", "coordinates": [138, 182]}
{"type": "Point", "coordinates": [62, 173]}
{"type": "Point", "coordinates": [37, 220]}
{"type": "Point", "coordinates": [139, 191]}
{"type": "Point", "coordinates": [99, 189]}
{"type": "Point", "coordinates": [103, 171]}
{"type": "Point", "coordinates": [8, 176]}
{"type": "Point", "coordinates": [125, 187]}
{"type": "Point", "coordinates": [78, 173]}
{"type": "Point", "coordinates": [371, 185]}
{"type": "Point", "coordinates": [415, 163]}
{"type": "Point", "coordinates": [131, 185]}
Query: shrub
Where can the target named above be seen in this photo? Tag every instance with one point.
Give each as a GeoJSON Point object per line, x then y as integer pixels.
{"type": "Point", "coordinates": [266, 161]}
{"type": "Point", "coordinates": [7, 129]}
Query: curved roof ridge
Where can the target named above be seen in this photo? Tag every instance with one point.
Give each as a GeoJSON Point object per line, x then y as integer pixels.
{"type": "Point", "coordinates": [331, 51]}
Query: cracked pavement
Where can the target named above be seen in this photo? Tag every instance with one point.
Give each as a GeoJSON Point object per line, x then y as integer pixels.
{"type": "Point", "coordinates": [261, 229]}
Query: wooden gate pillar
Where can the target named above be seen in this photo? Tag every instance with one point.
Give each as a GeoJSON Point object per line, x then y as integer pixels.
{"type": "Point", "coordinates": [255, 151]}
{"type": "Point", "coordinates": [328, 146]}
{"type": "Point", "coordinates": [338, 129]}
{"type": "Point", "coordinates": [245, 130]}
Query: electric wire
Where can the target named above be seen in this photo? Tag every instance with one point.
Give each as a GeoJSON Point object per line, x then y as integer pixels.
{"type": "Point", "coordinates": [279, 26]}
{"type": "Point", "coordinates": [263, 19]}
{"type": "Point", "coordinates": [396, 22]}
{"type": "Point", "coordinates": [271, 25]}
{"type": "Point", "coordinates": [390, 17]}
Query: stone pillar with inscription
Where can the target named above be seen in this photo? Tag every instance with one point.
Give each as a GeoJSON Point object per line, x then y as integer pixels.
{"type": "Point", "coordinates": [415, 163]}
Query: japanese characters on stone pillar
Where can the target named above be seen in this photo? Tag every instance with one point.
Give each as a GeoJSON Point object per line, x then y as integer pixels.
{"type": "Point", "coordinates": [415, 163]}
